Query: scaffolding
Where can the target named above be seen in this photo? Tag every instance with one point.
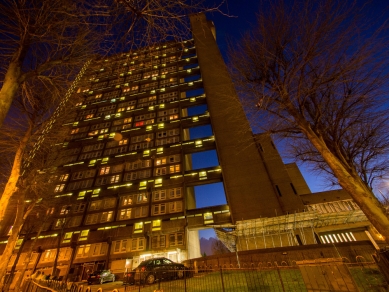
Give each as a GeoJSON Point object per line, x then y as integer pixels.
{"type": "Point", "coordinates": [284, 226]}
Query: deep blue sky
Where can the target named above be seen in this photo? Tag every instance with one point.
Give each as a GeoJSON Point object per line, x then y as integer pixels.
{"type": "Point", "coordinates": [241, 17]}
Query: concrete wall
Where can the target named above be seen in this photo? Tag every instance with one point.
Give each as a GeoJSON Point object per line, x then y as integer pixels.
{"type": "Point", "coordinates": [297, 178]}
{"type": "Point", "coordinates": [249, 191]}
{"type": "Point", "coordinates": [349, 251]}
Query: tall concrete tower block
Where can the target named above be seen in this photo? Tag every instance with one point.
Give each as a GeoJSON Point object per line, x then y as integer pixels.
{"type": "Point", "coordinates": [249, 190]}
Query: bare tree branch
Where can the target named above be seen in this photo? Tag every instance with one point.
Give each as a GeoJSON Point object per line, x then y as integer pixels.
{"type": "Point", "coordinates": [312, 72]}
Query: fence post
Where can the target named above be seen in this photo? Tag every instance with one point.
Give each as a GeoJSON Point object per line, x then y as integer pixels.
{"type": "Point", "coordinates": [185, 274]}
{"type": "Point", "coordinates": [221, 276]}
{"type": "Point", "coordinates": [279, 275]}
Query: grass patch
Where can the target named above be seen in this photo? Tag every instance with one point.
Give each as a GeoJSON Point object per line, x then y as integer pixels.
{"type": "Point", "coordinates": [235, 280]}
{"type": "Point", "coordinates": [368, 279]}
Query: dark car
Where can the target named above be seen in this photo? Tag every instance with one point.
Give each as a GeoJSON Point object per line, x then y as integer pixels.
{"type": "Point", "coordinates": [156, 269]}
{"type": "Point", "coordinates": [100, 277]}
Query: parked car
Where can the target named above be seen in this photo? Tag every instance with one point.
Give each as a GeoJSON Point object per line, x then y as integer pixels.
{"type": "Point", "coordinates": [100, 277]}
{"type": "Point", "coordinates": [156, 269]}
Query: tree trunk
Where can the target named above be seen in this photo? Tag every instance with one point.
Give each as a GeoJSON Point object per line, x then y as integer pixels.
{"type": "Point", "coordinates": [13, 269]}
{"type": "Point", "coordinates": [352, 183]}
{"type": "Point", "coordinates": [18, 223]}
{"type": "Point", "coordinates": [11, 186]}
{"type": "Point", "coordinates": [60, 237]}
{"type": "Point", "coordinates": [12, 80]}
{"type": "Point", "coordinates": [28, 257]}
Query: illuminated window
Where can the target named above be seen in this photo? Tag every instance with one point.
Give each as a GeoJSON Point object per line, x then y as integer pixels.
{"type": "Point", "coordinates": [337, 237]}
{"type": "Point", "coordinates": [138, 227]}
{"type": "Point", "coordinates": [64, 177]}
{"type": "Point", "coordinates": [59, 188]}
{"type": "Point", "coordinates": [95, 205]}
{"type": "Point", "coordinates": [142, 198]}
{"type": "Point", "coordinates": [158, 182]}
{"type": "Point", "coordinates": [174, 168]}
{"type": "Point", "coordinates": [156, 225]}
{"type": "Point", "coordinates": [84, 235]}
{"type": "Point", "coordinates": [114, 179]}
{"type": "Point", "coordinates": [59, 223]}
{"type": "Point", "coordinates": [48, 255]}
{"type": "Point", "coordinates": [125, 214]}
{"type": "Point", "coordinates": [81, 194]}
{"type": "Point", "coordinates": [104, 170]}
{"type": "Point", "coordinates": [123, 142]}
{"type": "Point", "coordinates": [106, 216]}
{"type": "Point", "coordinates": [19, 243]}
{"type": "Point", "coordinates": [83, 251]}
{"type": "Point", "coordinates": [160, 161]}
{"type": "Point", "coordinates": [93, 133]}
{"type": "Point", "coordinates": [208, 218]}
{"type": "Point", "coordinates": [67, 237]}
{"type": "Point", "coordinates": [65, 209]}
{"type": "Point", "coordinates": [126, 200]}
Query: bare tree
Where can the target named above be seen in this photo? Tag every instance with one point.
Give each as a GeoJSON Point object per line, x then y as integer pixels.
{"type": "Point", "coordinates": [44, 42]}
{"type": "Point", "coordinates": [312, 72]}
{"type": "Point", "coordinates": [29, 179]}
{"type": "Point", "coordinates": [32, 226]}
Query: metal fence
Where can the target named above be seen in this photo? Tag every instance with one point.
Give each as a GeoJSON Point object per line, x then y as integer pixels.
{"type": "Point", "coordinates": [48, 286]}
{"type": "Point", "coordinates": [303, 278]}
{"type": "Point", "coordinates": [310, 276]}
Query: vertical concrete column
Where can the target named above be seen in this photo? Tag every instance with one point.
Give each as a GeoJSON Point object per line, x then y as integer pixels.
{"type": "Point", "coordinates": [249, 191]}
